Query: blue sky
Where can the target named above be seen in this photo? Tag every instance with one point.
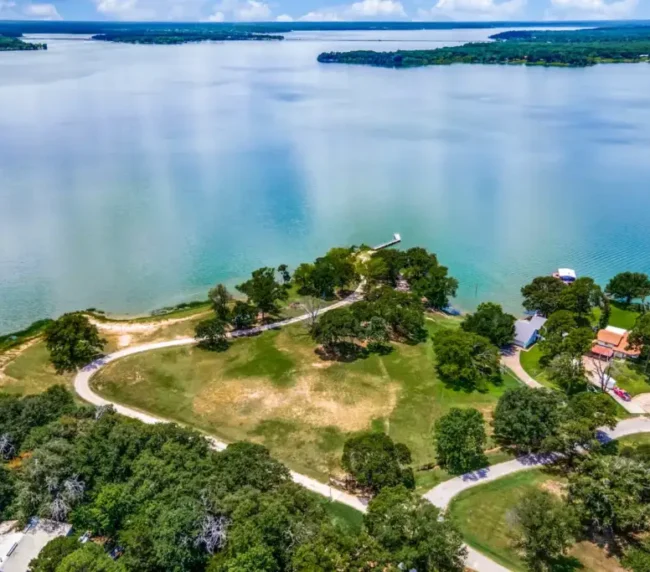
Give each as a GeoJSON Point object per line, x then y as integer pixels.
{"type": "Point", "coordinates": [324, 10]}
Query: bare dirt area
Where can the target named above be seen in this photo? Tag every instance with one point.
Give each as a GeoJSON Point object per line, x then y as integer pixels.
{"type": "Point", "coordinates": [309, 401]}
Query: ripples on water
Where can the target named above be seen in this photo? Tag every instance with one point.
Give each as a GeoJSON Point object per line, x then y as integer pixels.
{"type": "Point", "coordinates": [133, 177]}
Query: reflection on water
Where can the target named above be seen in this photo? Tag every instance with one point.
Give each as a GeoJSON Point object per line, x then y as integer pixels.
{"type": "Point", "coordinates": [133, 177]}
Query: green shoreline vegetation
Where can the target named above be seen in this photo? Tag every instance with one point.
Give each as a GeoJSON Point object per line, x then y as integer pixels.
{"type": "Point", "coordinates": [15, 44]}
{"type": "Point", "coordinates": [181, 36]}
{"type": "Point", "coordinates": [576, 48]}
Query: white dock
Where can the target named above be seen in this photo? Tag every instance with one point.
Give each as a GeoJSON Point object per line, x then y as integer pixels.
{"type": "Point", "coordinates": [396, 240]}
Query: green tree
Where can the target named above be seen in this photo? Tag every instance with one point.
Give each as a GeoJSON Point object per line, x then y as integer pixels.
{"type": "Point", "coordinates": [283, 269]}
{"type": "Point", "coordinates": [263, 290]}
{"type": "Point", "coordinates": [246, 464]}
{"type": "Point", "coordinates": [563, 336]}
{"type": "Point", "coordinates": [611, 494]}
{"type": "Point", "coordinates": [466, 358]}
{"type": "Point", "coordinates": [543, 295]}
{"type": "Point", "coordinates": [460, 441]}
{"type": "Point", "coordinates": [629, 285]}
{"type": "Point", "coordinates": [211, 335]}
{"type": "Point", "coordinates": [525, 417]}
{"type": "Point", "coordinates": [244, 315]}
{"type": "Point", "coordinates": [580, 420]}
{"type": "Point", "coordinates": [90, 558]}
{"type": "Point", "coordinates": [545, 529]}
{"type": "Point", "coordinates": [393, 261]}
{"type": "Point", "coordinates": [53, 554]}
{"type": "Point", "coordinates": [376, 462]}
{"type": "Point", "coordinates": [220, 299]}
{"type": "Point", "coordinates": [580, 299]}
{"type": "Point", "coordinates": [73, 342]}
{"type": "Point", "coordinates": [491, 322]}
{"type": "Point", "coordinates": [639, 338]}
{"type": "Point", "coordinates": [303, 279]}
{"type": "Point", "coordinates": [7, 492]}
{"type": "Point", "coordinates": [411, 530]}
{"type": "Point", "coordinates": [428, 278]}
{"type": "Point", "coordinates": [377, 332]}
{"type": "Point", "coordinates": [336, 326]}
{"type": "Point", "coordinates": [568, 373]}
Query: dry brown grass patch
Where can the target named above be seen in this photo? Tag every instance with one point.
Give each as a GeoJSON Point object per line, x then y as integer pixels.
{"type": "Point", "coordinates": [246, 402]}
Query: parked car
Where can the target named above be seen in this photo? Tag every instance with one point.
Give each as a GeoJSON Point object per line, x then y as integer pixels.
{"type": "Point", "coordinates": [624, 395]}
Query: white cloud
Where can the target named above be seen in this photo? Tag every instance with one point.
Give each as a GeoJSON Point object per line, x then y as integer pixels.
{"type": "Point", "coordinates": [120, 9]}
{"type": "Point", "coordinates": [591, 9]}
{"type": "Point", "coordinates": [362, 10]}
{"type": "Point", "coordinates": [321, 16]}
{"type": "Point", "coordinates": [474, 10]}
{"type": "Point", "coordinates": [284, 18]}
{"type": "Point", "coordinates": [216, 17]}
{"type": "Point", "coordinates": [378, 9]}
{"type": "Point", "coordinates": [253, 10]}
{"type": "Point", "coordinates": [11, 10]}
{"type": "Point", "coordinates": [241, 11]}
{"type": "Point", "coordinates": [42, 12]}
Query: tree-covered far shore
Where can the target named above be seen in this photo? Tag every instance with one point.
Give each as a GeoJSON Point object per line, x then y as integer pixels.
{"type": "Point", "coordinates": [14, 44]}
{"type": "Point", "coordinates": [575, 48]}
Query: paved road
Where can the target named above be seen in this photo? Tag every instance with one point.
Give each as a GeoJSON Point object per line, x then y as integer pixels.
{"type": "Point", "coordinates": [442, 494]}
{"type": "Point", "coordinates": [510, 359]}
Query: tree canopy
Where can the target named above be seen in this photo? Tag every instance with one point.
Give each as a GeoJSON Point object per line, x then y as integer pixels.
{"type": "Point", "coordinates": [73, 342]}
{"type": "Point", "coordinates": [629, 285]}
{"type": "Point", "coordinates": [376, 462]}
{"type": "Point", "coordinates": [545, 528]}
{"type": "Point", "coordinates": [491, 322]}
{"type": "Point", "coordinates": [466, 358]}
{"type": "Point", "coordinates": [460, 441]}
{"type": "Point", "coordinates": [263, 290]}
{"type": "Point", "coordinates": [410, 528]}
{"type": "Point", "coordinates": [525, 417]}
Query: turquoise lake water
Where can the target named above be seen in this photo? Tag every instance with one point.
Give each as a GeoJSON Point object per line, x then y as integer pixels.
{"type": "Point", "coordinates": [134, 177]}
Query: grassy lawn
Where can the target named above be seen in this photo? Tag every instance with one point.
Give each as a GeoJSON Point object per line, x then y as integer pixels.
{"type": "Point", "coordinates": [484, 516]}
{"type": "Point", "coordinates": [622, 316]}
{"type": "Point", "coordinates": [631, 377]}
{"type": "Point", "coordinates": [343, 516]}
{"type": "Point", "coordinates": [274, 389]}
{"type": "Point", "coordinates": [31, 372]}
{"type": "Point", "coordinates": [530, 362]}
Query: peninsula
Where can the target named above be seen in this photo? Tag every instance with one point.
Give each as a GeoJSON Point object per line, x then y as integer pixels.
{"type": "Point", "coordinates": [14, 44]}
{"type": "Point", "coordinates": [575, 48]}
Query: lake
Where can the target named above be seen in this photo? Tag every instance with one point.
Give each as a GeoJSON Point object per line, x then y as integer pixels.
{"type": "Point", "coordinates": [135, 177]}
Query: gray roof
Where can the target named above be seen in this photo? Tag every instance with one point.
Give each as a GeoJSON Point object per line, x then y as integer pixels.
{"type": "Point", "coordinates": [524, 330]}
{"type": "Point", "coordinates": [537, 322]}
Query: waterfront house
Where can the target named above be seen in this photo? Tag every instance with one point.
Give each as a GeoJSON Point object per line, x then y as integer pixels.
{"type": "Point", "coordinates": [527, 331]}
{"type": "Point", "coordinates": [613, 343]}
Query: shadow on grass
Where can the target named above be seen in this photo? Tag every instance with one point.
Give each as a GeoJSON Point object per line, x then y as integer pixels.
{"type": "Point", "coordinates": [348, 352]}
{"type": "Point", "coordinates": [565, 564]}
{"type": "Point", "coordinates": [467, 386]}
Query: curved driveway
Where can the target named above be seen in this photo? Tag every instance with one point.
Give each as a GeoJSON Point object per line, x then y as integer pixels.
{"type": "Point", "coordinates": [440, 495]}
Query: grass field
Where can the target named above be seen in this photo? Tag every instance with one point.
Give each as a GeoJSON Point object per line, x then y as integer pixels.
{"type": "Point", "coordinates": [484, 517]}
{"type": "Point", "coordinates": [31, 372]}
{"type": "Point", "coordinates": [530, 362]}
{"type": "Point", "coordinates": [630, 377]}
{"type": "Point", "coordinates": [623, 316]}
{"type": "Point", "coordinates": [274, 389]}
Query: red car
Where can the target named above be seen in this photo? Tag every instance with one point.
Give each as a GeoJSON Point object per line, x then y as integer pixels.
{"type": "Point", "coordinates": [624, 395]}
